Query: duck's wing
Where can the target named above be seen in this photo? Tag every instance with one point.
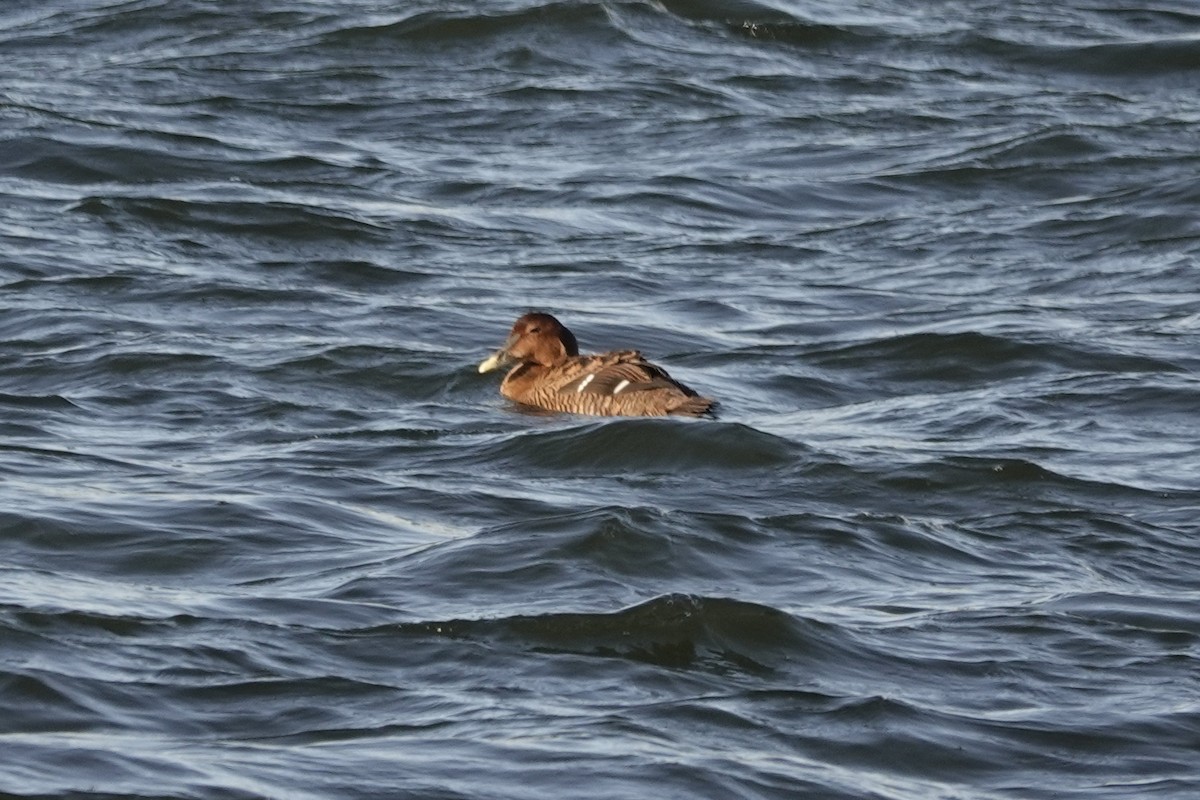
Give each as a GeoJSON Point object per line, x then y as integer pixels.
{"type": "Point", "coordinates": [617, 373]}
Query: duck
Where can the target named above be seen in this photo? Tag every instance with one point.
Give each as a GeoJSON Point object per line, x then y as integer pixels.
{"type": "Point", "coordinates": [550, 374]}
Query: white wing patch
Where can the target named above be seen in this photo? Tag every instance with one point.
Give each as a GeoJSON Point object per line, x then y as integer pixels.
{"type": "Point", "coordinates": [583, 383]}
{"type": "Point", "coordinates": [617, 389]}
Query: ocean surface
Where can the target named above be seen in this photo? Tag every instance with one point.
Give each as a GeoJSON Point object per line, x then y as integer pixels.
{"type": "Point", "coordinates": [265, 532]}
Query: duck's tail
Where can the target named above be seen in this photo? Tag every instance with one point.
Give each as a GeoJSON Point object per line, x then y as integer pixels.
{"type": "Point", "coordinates": [696, 406]}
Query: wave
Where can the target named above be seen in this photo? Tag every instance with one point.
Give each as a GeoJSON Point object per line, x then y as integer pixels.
{"type": "Point", "coordinates": [767, 22]}
{"type": "Point", "coordinates": [974, 357]}
{"type": "Point", "coordinates": [644, 445]}
{"type": "Point", "coordinates": [44, 402]}
{"type": "Point", "coordinates": [1150, 59]}
{"type": "Point", "coordinates": [433, 28]}
{"type": "Point", "coordinates": [286, 220]}
{"type": "Point", "coordinates": [677, 630]}
{"type": "Point", "coordinates": [76, 162]}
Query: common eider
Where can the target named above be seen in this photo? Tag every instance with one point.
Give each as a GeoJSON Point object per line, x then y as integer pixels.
{"type": "Point", "coordinates": [549, 373]}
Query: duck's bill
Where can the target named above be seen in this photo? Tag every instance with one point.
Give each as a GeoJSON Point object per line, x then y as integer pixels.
{"type": "Point", "coordinates": [494, 361]}
{"type": "Point", "coordinates": [500, 357]}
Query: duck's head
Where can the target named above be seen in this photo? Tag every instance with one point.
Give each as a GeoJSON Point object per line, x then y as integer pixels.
{"type": "Point", "coordinates": [535, 338]}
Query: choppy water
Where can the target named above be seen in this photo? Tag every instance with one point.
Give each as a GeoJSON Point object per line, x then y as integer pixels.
{"type": "Point", "coordinates": [264, 532]}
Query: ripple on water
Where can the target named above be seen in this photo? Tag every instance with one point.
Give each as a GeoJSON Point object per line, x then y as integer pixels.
{"type": "Point", "coordinates": [265, 531]}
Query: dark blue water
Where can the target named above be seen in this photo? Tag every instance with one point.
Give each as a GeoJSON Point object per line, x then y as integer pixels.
{"type": "Point", "coordinates": [266, 533]}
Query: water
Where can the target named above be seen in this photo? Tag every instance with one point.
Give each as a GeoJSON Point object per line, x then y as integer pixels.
{"type": "Point", "coordinates": [265, 532]}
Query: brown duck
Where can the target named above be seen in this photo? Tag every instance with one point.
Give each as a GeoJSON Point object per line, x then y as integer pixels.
{"type": "Point", "coordinates": [551, 374]}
